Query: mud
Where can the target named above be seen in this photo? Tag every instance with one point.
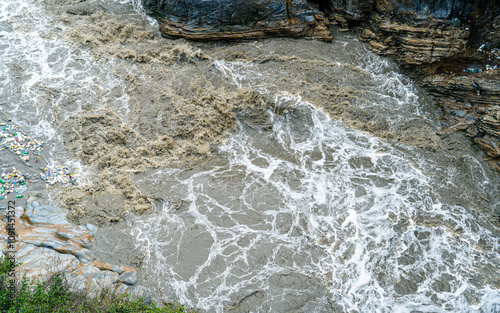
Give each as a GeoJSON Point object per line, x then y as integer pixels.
{"type": "Point", "coordinates": [183, 99]}
{"type": "Point", "coordinates": [212, 168]}
{"type": "Point", "coordinates": [173, 112]}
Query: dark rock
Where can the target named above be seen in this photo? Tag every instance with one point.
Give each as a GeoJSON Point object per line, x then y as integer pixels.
{"type": "Point", "coordinates": [490, 122]}
{"type": "Point", "coordinates": [490, 145]}
{"type": "Point", "coordinates": [440, 9]}
{"type": "Point", "coordinates": [472, 131]}
{"type": "Point", "coordinates": [458, 89]}
{"type": "Point", "coordinates": [489, 142]}
{"type": "Point", "coordinates": [415, 43]}
{"type": "Point", "coordinates": [237, 19]}
{"type": "Point", "coordinates": [354, 9]}
{"type": "Point", "coordinates": [425, 32]}
{"type": "Point", "coordinates": [85, 256]}
{"type": "Point", "coordinates": [459, 113]}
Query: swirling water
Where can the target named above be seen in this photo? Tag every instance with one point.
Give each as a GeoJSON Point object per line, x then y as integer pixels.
{"type": "Point", "coordinates": [306, 214]}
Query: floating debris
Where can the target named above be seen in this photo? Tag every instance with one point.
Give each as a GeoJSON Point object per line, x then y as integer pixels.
{"type": "Point", "coordinates": [61, 175]}
{"type": "Point", "coordinates": [14, 139]}
{"type": "Point", "coordinates": [478, 70]}
{"type": "Point", "coordinates": [487, 48]}
{"type": "Point", "coordinates": [13, 180]}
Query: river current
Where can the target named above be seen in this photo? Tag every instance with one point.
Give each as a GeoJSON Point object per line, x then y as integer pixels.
{"type": "Point", "coordinates": [279, 175]}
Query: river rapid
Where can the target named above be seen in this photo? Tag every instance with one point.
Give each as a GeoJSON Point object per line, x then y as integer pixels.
{"type": "Point", "coordinates": [278, 175]}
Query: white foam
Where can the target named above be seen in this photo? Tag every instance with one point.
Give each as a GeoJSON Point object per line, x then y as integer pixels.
{"type": "Point", "coordinates": [345, 213]}
{"type": "Point", "coordinates": [341, 204]}
{"type": "Point", "coordinates": [45, 79]}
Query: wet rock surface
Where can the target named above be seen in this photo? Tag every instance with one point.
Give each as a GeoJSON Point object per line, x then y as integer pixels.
{"type": "Point", "coordinates": [235, 20]}
{"type": "Point", "coordinates": [442, 44]}
{"type": "Point", "coordinates": [47, 243]}
{"type": "Point", "coordinates": [417, 43]}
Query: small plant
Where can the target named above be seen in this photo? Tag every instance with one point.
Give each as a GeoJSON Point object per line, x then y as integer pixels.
{"type": "Point", "coordinates": [53, 295]}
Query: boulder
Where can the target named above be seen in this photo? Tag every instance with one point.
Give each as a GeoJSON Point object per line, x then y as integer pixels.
{"type": "Point", "coordinates": [46, 214]}
{"type": "Point", "coordinates": [129, 278]}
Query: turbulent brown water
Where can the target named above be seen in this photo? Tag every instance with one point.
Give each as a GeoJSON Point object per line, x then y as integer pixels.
{"type": "Point", "coordinates": [263, 176]}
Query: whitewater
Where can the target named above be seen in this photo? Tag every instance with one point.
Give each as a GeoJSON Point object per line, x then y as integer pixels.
{"type": "Point", "coordinates": [279, 175]}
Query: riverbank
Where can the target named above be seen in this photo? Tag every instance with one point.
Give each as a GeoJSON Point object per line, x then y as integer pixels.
{"type": "Point", "coordinates": [451, 49]}
{"type": "Point", "coordinates": [270, 175]}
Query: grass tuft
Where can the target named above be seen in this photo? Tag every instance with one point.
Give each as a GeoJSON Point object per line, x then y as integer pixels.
{"type": "Point", "coordinates": [53, 295]}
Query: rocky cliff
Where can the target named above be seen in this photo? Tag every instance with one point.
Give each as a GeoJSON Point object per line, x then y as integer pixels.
{"type": "Point", "coordinates": [451, 47]}
{"type": "Point", "coordinates": [236, 19]}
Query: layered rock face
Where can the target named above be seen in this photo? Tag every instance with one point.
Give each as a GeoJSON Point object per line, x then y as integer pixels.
{"type": "Point", "coordinates": [47, 243]}
{"type": "Point", "coordinates": [436, 41]}
{"type": "Point", "coordinates": [470, 103]}
{"type": "Point", "coordinates": [238, 19]}
{"type": "Point", "coordinates": [417, 43]}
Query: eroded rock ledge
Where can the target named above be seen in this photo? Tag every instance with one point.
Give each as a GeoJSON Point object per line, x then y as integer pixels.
{"type": "Point", "coordinates": [435, 41]}
{"type": "Point", "coordinates": [47, 243]}
{"type": "Point", "coordinates": [236, 20]}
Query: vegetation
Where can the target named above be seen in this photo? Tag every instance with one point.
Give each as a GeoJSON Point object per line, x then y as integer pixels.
{"type": "Point", "coordinates": [29, 296]}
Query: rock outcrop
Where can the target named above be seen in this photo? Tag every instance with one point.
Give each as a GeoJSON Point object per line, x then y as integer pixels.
{"type": "Point", "coordinates": [46, 243]}
{"type": "Point", "coordinates": [436, 41]}
{"type": "Point", "coordinates": [488, 138]}
{"type": "Point", "coordinates": [451, 48]}
{"type": "Point", "coordinates": [470, 102]}
{"type": "Point", "coordinates": [236, 20]}
{"type": "Point", "coordinates": [417, 43]}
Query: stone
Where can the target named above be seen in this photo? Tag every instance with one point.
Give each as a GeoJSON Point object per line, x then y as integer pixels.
{"type": "Point", "coordinates": [92, 228]}
{"type": "Point", "coordinates": [490, 145]}
{"type": "Point", "coordinates": [52, 244]}
{"type": "Point", "coordinates": [236, 19]}
{"type": "Point", "coordinates": [76, 283]}
{"type": "Point", "coordinates": [85, 256]}
{"type": "Point", "coordinates": [441, 9]}
{"type": "Point", "coordinates": [427, 32]}
{"type": "Point", "coordinates": [47, 214]}
{"type": "Point", "coordinates": [129, 278]}
{"type": "Point", "coordinates": [459, 113]}
{"type": "Point", "coordinates": [472, 131]}
{"type": "Point", "coordinates": [47, 244]}
{"type": "Point", "coordinates": [65, 235]}
{"type": "Point", "coordinates": [490, 122]}
{"type": "Point", "coordinates": [417, 43]}
{"type": "Point", "coordinates": [354, 10]}
{"type": "Point", "coordinates": [42, 261]}
{"type": "Point", "coordinates": [100, 281]}
{"type": "Point", "coordinates": [142, 292]}
{"type": "Point", "coordinates": [117, 269]}
{"type": "Point", "coordinates": [33, 204]}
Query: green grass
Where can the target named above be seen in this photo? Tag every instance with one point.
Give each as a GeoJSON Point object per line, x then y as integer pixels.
{"type": "Point", "coordinates": [52, 295]}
